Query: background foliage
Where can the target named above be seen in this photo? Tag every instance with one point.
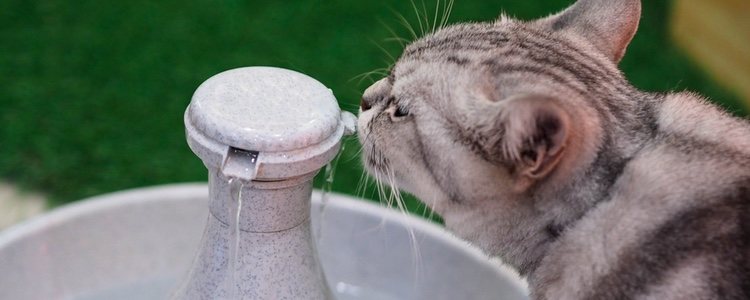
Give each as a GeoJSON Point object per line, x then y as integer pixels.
{"type": "Point", "coordinates": [92, 92]}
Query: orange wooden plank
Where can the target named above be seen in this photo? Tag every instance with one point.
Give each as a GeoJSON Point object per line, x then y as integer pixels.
{"type": "Point", "coordinates": [717, 35]}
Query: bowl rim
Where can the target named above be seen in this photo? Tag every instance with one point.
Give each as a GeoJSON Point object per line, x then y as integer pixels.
{"type": "Point", "coordinates": [179, 192]}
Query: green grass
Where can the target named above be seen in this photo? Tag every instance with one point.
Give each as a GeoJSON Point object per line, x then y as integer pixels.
{"type": "Point", "coordinates": [92, 92]}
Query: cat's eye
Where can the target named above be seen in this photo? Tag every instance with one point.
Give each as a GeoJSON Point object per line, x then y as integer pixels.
{"type": "Point", "coordinates": [400, 112]}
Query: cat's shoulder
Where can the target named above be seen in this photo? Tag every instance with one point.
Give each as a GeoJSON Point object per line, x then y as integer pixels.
{"type": "Point", "coordinates": [661, 218]}
{"type": "Point", "coordinates": [688, 115]}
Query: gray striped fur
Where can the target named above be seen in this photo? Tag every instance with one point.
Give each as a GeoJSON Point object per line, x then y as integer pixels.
{"type": "Point", "coordinates": [529, 142]}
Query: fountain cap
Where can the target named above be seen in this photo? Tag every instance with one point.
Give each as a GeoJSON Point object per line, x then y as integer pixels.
{"type": "Point", "coordinates": [265, 123]}
{"type": "Point", "coordinates": [264, 109]}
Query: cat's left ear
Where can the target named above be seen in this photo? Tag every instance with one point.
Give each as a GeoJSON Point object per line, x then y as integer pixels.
{"type": "Point", "coordinates": [536, 130]}
{"type": "Point", "coordinates": [608, 24]}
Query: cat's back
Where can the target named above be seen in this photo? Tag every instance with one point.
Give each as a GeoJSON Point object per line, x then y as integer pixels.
{"type": "Point", "coordinates": [693, 118]}
{"type": "Point", "coordinates": [695, 149]}
{"type": "Point", "coordinates": [676, 224]}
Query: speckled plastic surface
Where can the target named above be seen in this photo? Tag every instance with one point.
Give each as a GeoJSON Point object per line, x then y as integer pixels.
{"type": "Point", "coordinates": [272, 129]}
{"type": "Point", "coordinates": [266, 206]}
{"type": "Point", "coordinates": [292, 120]}
{"type": "Point", "coordinates": [264, 109]}
{"type": "Point", "coordinates": [272, 266]}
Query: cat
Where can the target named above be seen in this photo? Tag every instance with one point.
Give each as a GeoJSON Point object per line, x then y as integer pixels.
{"type": "Point", "coordinates": [530, 143]}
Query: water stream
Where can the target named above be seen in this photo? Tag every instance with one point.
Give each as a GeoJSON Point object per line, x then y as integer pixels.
{"type": "Point", "coordinates": [330, 172]}
{"type": "Point", "coordinates": [241, 167]}
{"type": "Point", "coordinates": [233, 286]}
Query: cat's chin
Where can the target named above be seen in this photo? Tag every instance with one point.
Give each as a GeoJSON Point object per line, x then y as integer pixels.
{"type": "Point", "coordinates": [427, 193]}
{"type": "Point", "coordinates": [390, 180]}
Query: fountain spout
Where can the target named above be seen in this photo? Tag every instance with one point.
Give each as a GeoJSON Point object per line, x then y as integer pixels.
{"type": "Point", "coordinates": [240, 164]}
{"type": "Point", "coordinates": [262, 133]}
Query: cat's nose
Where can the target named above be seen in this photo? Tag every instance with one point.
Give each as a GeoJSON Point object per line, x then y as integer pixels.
{"type": "Point", "coordinates": [364, 104]}
{"type": "Point", "coordinates": [376, 92]}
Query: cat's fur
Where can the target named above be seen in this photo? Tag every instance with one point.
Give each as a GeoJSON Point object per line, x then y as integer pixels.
{"type": "Point", "coordinates": [529, 142]}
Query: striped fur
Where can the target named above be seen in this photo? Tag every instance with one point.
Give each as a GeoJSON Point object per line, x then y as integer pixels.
{"type": "Point", "coordinates": [531, 144]}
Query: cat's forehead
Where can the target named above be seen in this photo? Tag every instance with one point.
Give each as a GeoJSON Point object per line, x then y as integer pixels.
{"type": "Point", "coordinates": [511, 52]}
{"type": "Point", "coordinates": [470, 37]}
{"type": "Point", "coordinates": [447, 53]}
{"type": "Point", "coordinates": [464, 44]}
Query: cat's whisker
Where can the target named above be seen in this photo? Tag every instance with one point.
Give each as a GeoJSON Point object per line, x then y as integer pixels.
{"type": "Point", "coordinates": [390, 65]}
{"type": "Point", "coordinates": [368, 75]}
{"type": "Point", "coordinates": [381, 193]}
{"type": "Point", "coordinates": [396, 195]}
{"type": "Point", "coordinates": [426, 211]}
{"type": "Point", "coordinates": [432, 206]}
{"type": "Point", "coordinates": [437, 11]}
{"type": "Point", "coordinates": [354, 156]}
{"type": "Point", "coordinates": [378, 70]}
{"type": "Point", "coordinates": [392, 58]}
{"type": "Point", "coordinates": [374, 192]}
{"type": "Point", "coordinates": [395, 192]}
{"type": "Point", "coordinates": [378, 190]}
{"type": "Point", "coordinates": [361, 185]}
{"type": "Point", "coordinates": [450, 10]}
{"type": "Point", "coordinates": [444, 7]}
{"type": "Point", "coordinates": [425, 17]}
{"type": "Point", "coordinates": [401, 41]}
{"type": "Point", "coordinates": [359, 152]}
{"type": "Point", "coordinates": [368, 180]}
{"type": "Point", "coordinates": [394, 36]}
{"type": "Point", "coordinates": [387, 193]}
{"type": "Point", "coordinates": [447, 13]}
{"type": "Point", "coordinates": [419, 17]}
{"type": "Point", "coordinates": [365, 141]}
{"type": "Point", "coordinates": [388, 188]}
{"type": "Point", "coordinates": [360, 77]}
{"type": "Point", "coordinates": [404, 22]}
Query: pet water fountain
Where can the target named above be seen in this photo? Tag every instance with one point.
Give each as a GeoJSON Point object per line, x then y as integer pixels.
{"type": "Point", "coordinates": [263, 134]}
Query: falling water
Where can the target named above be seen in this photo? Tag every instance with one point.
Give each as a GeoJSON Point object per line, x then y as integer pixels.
{"type": "Point", "coordinates": [240, 172]}
{"type": "Point", "coordinates": [330, 171]}
{"type": "Point", "coordinates": [236, 186]}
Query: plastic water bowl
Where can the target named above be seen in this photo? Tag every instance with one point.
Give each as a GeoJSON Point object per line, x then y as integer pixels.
{"type": "Point", "coordinates": [138, 244]}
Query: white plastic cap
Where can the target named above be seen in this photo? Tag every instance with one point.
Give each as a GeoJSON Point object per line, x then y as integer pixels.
{"type": "Point", "coordinates": [291, 119]}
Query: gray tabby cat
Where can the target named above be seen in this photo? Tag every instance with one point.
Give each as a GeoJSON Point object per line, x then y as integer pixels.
{"type": "Point", "coordinates": [530, 143]}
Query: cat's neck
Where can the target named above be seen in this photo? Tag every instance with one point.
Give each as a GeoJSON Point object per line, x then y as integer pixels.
{"type": "Point", "coordinates": [624, 134]}
{"type": "Point", "coordinates": [524, 241]}
{"type": "Point", "coordinates": [697, 158]}
{"type": "Point", "coordinates": [651, 119]}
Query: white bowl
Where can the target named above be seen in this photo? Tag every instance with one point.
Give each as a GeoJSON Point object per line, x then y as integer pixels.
{"type": "Point", "coordinates": [138, 244]}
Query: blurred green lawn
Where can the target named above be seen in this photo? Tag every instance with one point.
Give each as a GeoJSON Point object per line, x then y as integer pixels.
{"type": "Point", "coordinates": [92, 92]}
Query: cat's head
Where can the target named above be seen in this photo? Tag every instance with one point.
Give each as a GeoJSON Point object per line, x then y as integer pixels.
{"type": "Point", "coordinates": [484, 114]}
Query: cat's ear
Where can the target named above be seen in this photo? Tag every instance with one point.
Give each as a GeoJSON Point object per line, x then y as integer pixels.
{"type": "Point", "coordinates": [608, 24]}
{"type": "Point", "coordinates": [535, 130]}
